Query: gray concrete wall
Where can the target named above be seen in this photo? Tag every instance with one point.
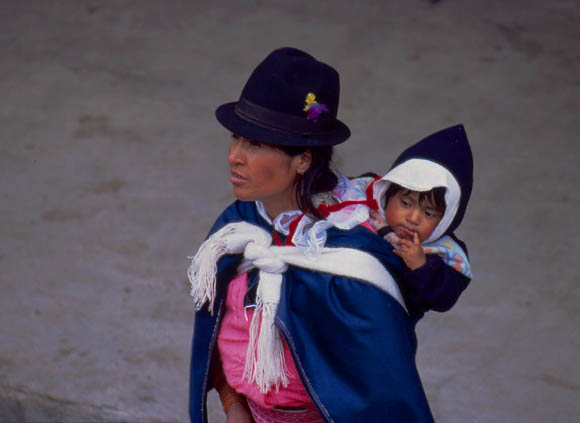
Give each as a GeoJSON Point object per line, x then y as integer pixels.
{"type": "Point", "coordinates": [112, 168]}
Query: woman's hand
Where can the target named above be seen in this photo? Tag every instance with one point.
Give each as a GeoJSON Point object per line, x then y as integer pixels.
{"type": "Point", "coordinates": [238, 413]}
{"type": "Point", "coordinates": [411, 252]}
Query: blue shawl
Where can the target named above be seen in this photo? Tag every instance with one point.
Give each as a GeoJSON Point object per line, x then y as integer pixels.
{"type": "Point", "coordinates": [353, 344]}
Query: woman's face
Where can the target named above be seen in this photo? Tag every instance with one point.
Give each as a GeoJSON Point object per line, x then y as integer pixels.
{"type": "Point", "coordinates": [262, 172]}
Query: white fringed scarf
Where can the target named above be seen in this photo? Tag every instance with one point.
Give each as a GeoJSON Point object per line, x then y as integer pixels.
{"type": "Point", "coordinates": [265, 363]}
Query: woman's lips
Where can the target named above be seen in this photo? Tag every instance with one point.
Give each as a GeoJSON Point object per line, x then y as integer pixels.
{"type": "Point", "coordinates": [236, 178]}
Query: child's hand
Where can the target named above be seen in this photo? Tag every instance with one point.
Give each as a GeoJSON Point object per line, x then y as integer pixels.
{"type": "Point", "coordinates": [411, 252]}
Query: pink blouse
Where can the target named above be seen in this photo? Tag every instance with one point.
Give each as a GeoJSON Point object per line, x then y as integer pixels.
{"type": "Point", "coordinates": [233, 339]}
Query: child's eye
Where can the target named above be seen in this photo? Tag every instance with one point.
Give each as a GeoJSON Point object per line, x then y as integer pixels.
{"type": "Point", "coordinates": [405, 203]}
{"type": "Point", "coordinates": [431, 214]}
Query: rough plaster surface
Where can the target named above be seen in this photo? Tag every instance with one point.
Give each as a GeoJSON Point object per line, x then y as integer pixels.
{"type": "Point", "coordinates": [112, 169]}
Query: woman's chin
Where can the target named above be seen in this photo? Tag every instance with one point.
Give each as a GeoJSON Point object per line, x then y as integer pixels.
{"type": "Point", "coordinates": [241, 195]}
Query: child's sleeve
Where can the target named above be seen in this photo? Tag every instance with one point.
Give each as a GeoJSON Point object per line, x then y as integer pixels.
{"type": "Point", "coordinates": [434, 286]}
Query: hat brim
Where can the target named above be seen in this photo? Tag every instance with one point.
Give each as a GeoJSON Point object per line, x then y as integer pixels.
{"type": "Point", "coordinates": [227, 116]}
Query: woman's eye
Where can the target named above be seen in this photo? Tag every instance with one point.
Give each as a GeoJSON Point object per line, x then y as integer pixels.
{"type": "Point", "coordinates": [255, 143]}
{"type": "Point", "coordinates": [235, 136]}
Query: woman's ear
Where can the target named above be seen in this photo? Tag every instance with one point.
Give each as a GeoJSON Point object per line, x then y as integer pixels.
{"type": "Point", "coordinates": [304, 162]}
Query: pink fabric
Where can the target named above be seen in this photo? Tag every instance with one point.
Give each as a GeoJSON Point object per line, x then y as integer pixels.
{"type": "Point", "coordinates": [270, 415]}
{"type": "Point", "coordinates": [233, 339]}
{"type": "Point", "coordinates": [367, 225]}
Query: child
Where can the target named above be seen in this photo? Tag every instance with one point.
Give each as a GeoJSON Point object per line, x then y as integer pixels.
{"type": "Point", "coordinates": [419, 203]}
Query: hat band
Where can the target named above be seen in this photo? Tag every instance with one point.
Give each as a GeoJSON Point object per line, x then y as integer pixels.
{"type": "Point", "coordinates": [279, 121]}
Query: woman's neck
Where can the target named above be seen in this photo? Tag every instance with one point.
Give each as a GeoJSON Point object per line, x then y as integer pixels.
{"type": "Point", "coordinates": [276, 208]}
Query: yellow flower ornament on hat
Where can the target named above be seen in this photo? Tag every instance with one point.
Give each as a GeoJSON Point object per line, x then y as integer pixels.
{"type": "Point", "coordinates": [312, 108]}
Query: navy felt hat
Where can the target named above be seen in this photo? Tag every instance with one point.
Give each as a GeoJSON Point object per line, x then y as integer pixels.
{"type": "Point", "coordinates": [290, 99]}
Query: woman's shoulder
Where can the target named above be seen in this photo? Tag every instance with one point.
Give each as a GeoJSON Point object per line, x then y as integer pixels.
{"type": "Point", "coordinates": [359, 237]}
{"type": "Point", "coordinates": [239, 211]}
{"type": "Point", "coordinates": [364, 239]}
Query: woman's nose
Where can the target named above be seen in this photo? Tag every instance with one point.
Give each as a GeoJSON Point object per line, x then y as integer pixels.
{"type": "Point", "coordinates": [235, 153]}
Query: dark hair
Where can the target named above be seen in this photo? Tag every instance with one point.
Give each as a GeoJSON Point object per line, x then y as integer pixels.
{"type": "Point", "coordinates": [318, 178]}
{"type": "Point", "coordinates": [435, 196]}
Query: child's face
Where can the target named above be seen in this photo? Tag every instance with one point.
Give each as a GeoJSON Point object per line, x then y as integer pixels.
{"type": "Point", "coordinates": [406, 216]}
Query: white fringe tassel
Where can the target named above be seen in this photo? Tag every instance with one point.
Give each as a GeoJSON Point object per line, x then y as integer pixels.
{"type": "Point", "coordinates": [265, 363]}
{"type": "Point", "coordinates": [203, 268]}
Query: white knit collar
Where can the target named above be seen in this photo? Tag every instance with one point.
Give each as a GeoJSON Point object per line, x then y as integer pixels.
{"type": "Point", "coordinates": [281, 223]}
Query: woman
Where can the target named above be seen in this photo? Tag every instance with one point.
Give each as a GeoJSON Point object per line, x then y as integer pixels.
{"type": "Point", "coordinates": [300, 315]}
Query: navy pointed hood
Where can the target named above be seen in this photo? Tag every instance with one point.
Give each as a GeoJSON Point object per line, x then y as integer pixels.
{"type": "Point", "coordinates": [442, 159]}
